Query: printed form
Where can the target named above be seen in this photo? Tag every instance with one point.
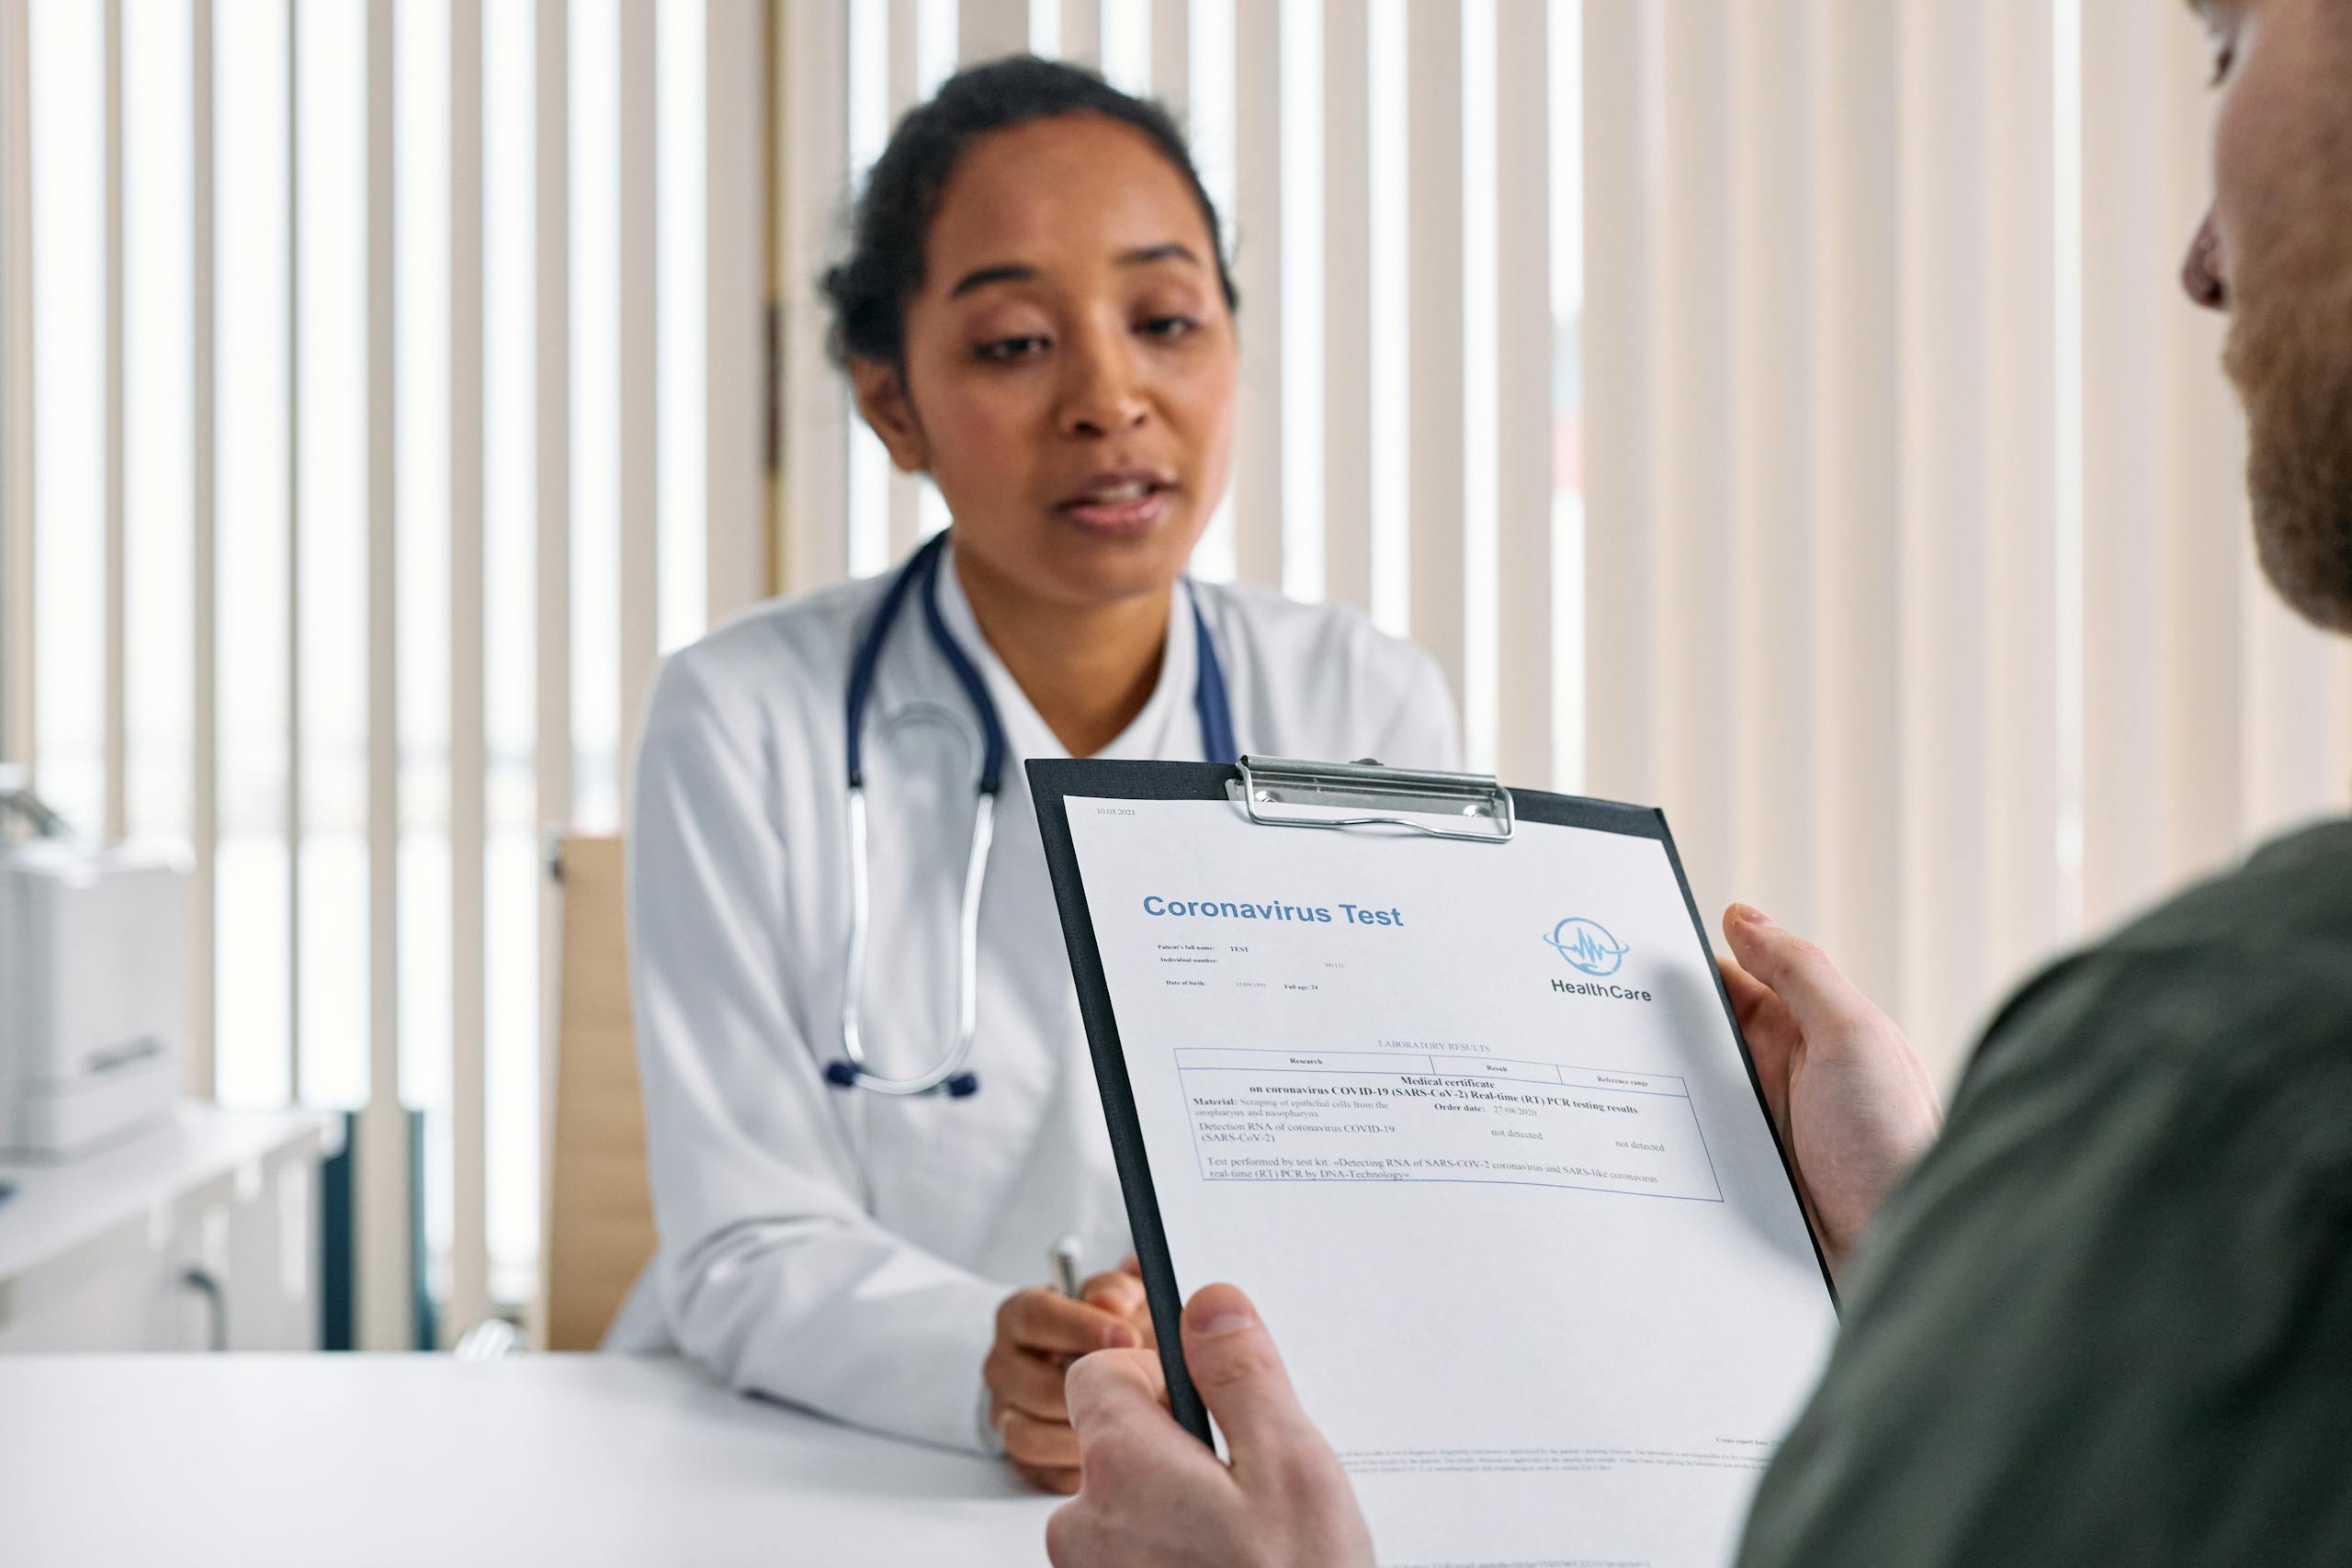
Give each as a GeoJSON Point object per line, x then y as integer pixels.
{"type": "Point", "coordinates": [1468, 1123]}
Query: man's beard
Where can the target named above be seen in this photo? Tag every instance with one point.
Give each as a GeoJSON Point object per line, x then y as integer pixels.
{"type": "Point", "coordinates": [2290, 354]}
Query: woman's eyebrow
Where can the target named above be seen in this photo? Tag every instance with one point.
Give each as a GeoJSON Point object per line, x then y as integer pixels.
{"type": "Point", "coordinates": [1146, 255]}
{"type": "Point", "coordinates": [1022, 272]}
{"type": "Point", "coordinates": [980, 277]}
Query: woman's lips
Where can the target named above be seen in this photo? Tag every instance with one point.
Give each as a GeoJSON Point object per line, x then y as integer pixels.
{"type": "Point", "coordinates": [1131, 508]}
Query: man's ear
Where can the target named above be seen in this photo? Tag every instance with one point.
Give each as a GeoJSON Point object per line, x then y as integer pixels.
{"type": "Point", "coordinates": [882, 398]}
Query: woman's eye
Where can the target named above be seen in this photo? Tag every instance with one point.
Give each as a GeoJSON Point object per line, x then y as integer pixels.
{"type": "Point", "coordinates": [1169, 326]}
{"type": "Point", "coordinates": [1005, 350]}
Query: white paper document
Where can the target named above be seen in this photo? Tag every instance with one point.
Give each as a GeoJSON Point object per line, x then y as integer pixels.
{"type": "Point", "coordinates": [1469, 1123]}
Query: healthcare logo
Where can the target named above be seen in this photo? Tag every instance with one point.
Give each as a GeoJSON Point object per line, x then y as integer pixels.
{"type": "Point", "coordinates": [1588, 946]}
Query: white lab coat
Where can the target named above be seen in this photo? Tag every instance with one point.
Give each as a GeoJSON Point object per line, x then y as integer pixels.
{"type": "Point", "coordinates": [841, 1249]}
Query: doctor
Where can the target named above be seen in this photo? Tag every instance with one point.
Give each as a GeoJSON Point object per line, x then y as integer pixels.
{"type": "Point", "coordinates": [1035, 313]}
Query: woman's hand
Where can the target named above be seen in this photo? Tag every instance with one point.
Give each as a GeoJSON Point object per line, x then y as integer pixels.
{"type": "Point", "coordinates": [1039, 1332]}
{"type": "Point", "coordinates": [1853, 1103]}
{"type": "Point", "coordinates": [1156, 1498]}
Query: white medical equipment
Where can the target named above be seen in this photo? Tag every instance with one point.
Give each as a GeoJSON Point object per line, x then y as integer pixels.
{"type": "Point", "coordinates": [93, 988]}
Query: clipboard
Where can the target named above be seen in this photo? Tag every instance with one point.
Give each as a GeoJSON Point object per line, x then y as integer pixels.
{"type": "Point", "coordinates": [1475, 813]}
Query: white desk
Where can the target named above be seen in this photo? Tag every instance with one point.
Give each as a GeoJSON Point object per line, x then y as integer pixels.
{"type": "Point", "coordinates": [398, 1460]}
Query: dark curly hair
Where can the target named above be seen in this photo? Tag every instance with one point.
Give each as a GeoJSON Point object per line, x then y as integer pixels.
{"type": "Point", "coordinates": [868, 291]}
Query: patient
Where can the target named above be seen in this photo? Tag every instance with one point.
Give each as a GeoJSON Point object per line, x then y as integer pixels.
{"type": "Point", "coordinates": [2107, 1315]}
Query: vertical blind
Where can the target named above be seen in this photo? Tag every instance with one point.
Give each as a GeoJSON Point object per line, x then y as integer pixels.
{"type": "Point", "coordinates": [382, 394]}
{"type": "Point", "coordinates": [1917, 523]}
{"type": "Point", "coordinates": [1784, 413]}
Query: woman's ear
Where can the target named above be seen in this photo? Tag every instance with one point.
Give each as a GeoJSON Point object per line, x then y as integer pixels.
{"type": "Point", "coordinates": [882, 398]}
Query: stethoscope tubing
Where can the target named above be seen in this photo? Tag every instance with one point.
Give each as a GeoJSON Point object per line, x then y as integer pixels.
{"type": "Point", "coordinates": [919, 576]}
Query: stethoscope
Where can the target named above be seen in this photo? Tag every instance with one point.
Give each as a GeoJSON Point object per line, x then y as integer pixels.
{"type": "Point", "coordinates": [921, 572]}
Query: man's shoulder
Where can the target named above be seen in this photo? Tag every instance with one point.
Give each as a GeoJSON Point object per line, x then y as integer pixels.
{"type": "Point", "coordinates": [2251, 960]}
{"type": "Point", "coordinates": [2113, 1292]}
{"type": "Point", "coordinates": [2294, 889]}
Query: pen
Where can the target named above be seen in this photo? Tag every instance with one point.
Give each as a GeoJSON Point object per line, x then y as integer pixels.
{"type": "Point", "coordinates": [1063, 1259]}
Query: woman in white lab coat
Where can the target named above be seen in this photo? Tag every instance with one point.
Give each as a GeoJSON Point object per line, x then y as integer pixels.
{"type": "Point", "coordinates": [1036, 314]}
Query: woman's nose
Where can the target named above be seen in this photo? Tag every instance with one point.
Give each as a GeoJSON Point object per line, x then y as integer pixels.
{"type": "Point", "coordinates": [1102, 393]}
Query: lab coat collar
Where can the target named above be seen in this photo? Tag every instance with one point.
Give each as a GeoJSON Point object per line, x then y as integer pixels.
{"type": "Point", "coordinates": [1166, 727]}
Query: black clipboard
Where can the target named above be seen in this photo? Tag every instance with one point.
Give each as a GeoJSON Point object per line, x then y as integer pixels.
{"type": "Point", "coordinates": [1264, 787]}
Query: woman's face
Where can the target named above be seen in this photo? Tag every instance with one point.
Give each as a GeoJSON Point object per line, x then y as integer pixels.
{"type": "Point", "coordinates": [1069, 363]}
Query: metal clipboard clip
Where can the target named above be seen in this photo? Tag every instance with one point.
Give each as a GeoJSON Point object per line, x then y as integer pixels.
{"type": "Point", "coordinates": [1284, 791]}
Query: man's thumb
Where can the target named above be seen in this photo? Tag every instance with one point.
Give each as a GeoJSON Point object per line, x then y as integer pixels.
{"type": "Point", "coordinates": [1809, 986]}
{"type": "Point", "coordinates": [1239, 1375]}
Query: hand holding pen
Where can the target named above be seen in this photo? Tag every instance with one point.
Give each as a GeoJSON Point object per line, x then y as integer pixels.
{"type": "Point", "coordinates": [1038, 1332]}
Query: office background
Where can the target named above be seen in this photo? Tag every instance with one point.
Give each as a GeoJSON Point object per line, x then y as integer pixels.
{"type": "Point", "coordinates": [1780, 410]}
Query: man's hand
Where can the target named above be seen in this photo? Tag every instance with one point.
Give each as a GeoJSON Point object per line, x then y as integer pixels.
{"type": "Point", "coordinates": [1038, 1332]}
{"type": "Point", "coordinates": [1156, 1498]}
{"type": "Point", "coordinates": [1853, 1104]}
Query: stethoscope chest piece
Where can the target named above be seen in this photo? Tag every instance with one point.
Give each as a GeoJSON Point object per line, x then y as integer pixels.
{"type": "Point", "coordinates": [846, 1075]}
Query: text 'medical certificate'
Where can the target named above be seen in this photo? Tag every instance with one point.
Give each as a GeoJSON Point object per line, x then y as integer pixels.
{"type": "Point", "coordinates": [1471, 1125]}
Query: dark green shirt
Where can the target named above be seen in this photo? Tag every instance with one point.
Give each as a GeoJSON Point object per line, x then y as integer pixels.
{"type": "Point", "coordinates": [2108, 1319]}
